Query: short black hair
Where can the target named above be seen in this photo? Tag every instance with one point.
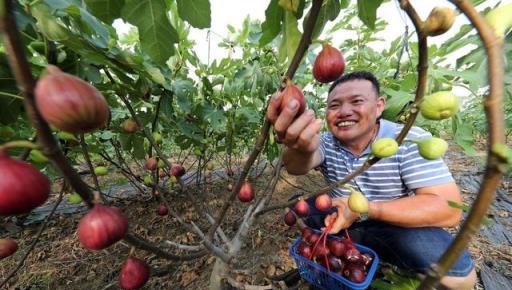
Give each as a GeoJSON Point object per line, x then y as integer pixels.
{"type": "Point", "coordinates": [357, 75]}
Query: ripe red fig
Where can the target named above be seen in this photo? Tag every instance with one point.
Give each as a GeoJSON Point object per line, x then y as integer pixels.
{"type": "Point", "coordinates": [246, 192]}
{"type": "Point", "coordinates": [304, 250]}
{"type": "Point", "coordinates": [292, 92]}
{"type": "Point", "coordinates": [321, 250]}
{"type": "Point", "coordinates": [306, 232]}
{"type": "Point", "coordinates": [289, 218]}
{"type": "Point", "coordinates": [352, 255]}
{"type": "Point", "coordinates": [366, 260]}
{"type": "Point", "coordinates": [101, 227]}
{"type": "Point", "coordinates": [323, 202]}
{"type": "Point", "coordinates": [302, 208]}
{"type": "Point", "coordinates": [336, 263]}
{"type": "Point", "coordinates": [162, 209]}
{"type": "Point", "coordinates": [134, 274]}
{"type": "Point", "coordinates": [151, 163]}
{"type": "Point", "coordinates": [313, 238]}
{"type": "Point", "coordinates": [337, 247]}
{"type": "Point", "coordinates": [230, 187]}
{"type": "Point", "coordinates": [129, 126]}
{"type": "Point", "coordinates": [22, 186]}
{"type": "Point", "coordinates": [177, 170]}
{"type": "Point", "coordinates": [69, 103]}
{"type": "Point", "coordinates": [7, 247]}
{"type": "Point", "coordinates": [329, 64]}
{"type": "Point", "coordinates": [354, 273]}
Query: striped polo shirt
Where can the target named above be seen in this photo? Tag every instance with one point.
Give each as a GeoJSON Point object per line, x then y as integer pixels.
{"type": "Point", "coordinates": [391, 177]}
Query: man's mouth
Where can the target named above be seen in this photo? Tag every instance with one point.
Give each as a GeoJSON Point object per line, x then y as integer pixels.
{"type": "Point", "coordinates": [343, 124]}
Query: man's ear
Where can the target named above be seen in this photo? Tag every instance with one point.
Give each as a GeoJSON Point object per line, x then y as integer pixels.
{"type": "Point", "coordinates": [381, 105]}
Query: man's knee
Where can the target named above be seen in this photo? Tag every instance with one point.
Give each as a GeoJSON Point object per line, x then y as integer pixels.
{"type": "Point", "coordinates": [460, 283]}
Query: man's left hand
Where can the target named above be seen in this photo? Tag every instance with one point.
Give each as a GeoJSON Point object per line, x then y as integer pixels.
{"type": "Point", "coordinates": [343, 219]}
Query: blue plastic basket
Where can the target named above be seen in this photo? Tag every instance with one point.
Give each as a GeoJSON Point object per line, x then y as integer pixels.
{"type": "Point", "coordinates": [319, 276]}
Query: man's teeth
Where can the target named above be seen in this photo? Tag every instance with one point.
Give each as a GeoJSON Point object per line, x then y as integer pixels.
{"type": "Point", "coordinates": [345, 123]}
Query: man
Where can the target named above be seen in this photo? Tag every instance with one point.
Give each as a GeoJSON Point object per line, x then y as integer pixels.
{"type": "Point", "coordinates": [408, 195]}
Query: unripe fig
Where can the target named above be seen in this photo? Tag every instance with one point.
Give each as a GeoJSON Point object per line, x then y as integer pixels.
{"type": "Point", "coordinates": [500, 20]}
{"type": "Point", "coordinates": [161, 173]}
{"type": "Point", "coordinates": [151, 163]}
{"type": "Point", "coordinates": [22, 186]}
{"type": "Point", "coordinates": [101, 227]}
{"type": "Point", "coordinates": [439, 105]}
{"type": "Point", "coordinates": [177, 170]}
{"type": "Point", "coordinates": [157, 137]}
{"type": "Point", "coordinates": [329, 64]}
{"type": "Point", "coordinates": [230, 187]}
{"type": "Point", "coordinates": [129, 126]}
{"type": "Point", "coordinates": [357, 202]}
{"type": "Point", "coordinates": [6, 132]}
{"type": "Point", "coordinates": [302, 208]}
{"type": "Point", "coordinates": [69, 103]}
{"type": "Point", "coordinates": [101, 170]}
{"type": "Point", "coordinates": [134, 274]}
{"type": "Point", "coordinates": [289, 218]}
{"type": "Point", "coordinates": [161, 164]}
{"type": "Point", "coordinates": [148, 180]}
{"type": "Point", "coordinates": [37, 156]}
{"type": "Point", "coordinates": [246, 192]}
{"type": "Point", "coordinates": [162, 209]}
{"type": "Point", "coordinates": [292, 92]}
{"type": "Point", "coordinates": [7, 247]}
{"type": "Point", "coordinates": [384, 147]}
{"type": "Point", "coordinates": [74, 198]}
{"type": "Point", "coordinates": [503, 152]}
{"type": "Point", "coordinates": [197, 152]}
{"type": "Point", "coordinates": [439, 21]}
{"type": "Point", "coordinates": [209, 166]}
{"type": "Point", "coordinates": [432, 148]}
{"type": "Point", "coordinates": [66, 136]}
{"type": "Point", "coordinates": [323, 202]}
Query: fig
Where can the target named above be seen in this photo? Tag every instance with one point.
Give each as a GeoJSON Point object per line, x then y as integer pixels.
{"type": "Point", "coordinates": [101, 227]}
{"type": "Point", "coordinates": [289, 218]}
{"type": "Point", "coordinates": [432, 148]}
{"type": "Point", "coordinates": [313, 238]}
{"type": "Point", "coordinates": [323, 202]}
{"type": "Point", "coordinates": [246, 192]}
{"type": "Point", "coordinates": [500, 20]}
{"type": "Point", "coordinates": [22, 186]}
{"type": "Point", "coordinates": [162, 209]}
{"type": "Point", "coordinates": [336, 263]}
{"type": "Point", "coordinates": [197, 152]}
{"type": "Point", "coordinates": [161, 164]}
{"type": "Point", "coordinates": [354, 273]}
{"type": "Point", "coordinates": [37, 156]}
{"type": "Point", "coordinates": [439, 21]}
{"type": "Point", "coordinates": [357, 202]}
{"type": "Point", "coordinates": [74, 198]}
{"type": "Point", "coordinates": [101, 170]}
{"type": "Point", "coordinates": [384, 147]}
{"type": "Point", "coordinates": [151, 163]}
{"type": "Point", "coordinates": [161, 173]}
{"type": "Point", "coordinates": [66, 136]}
{"type": "Point", "coordinates": [6, 132]}
{"type": "Point", "coordinates": [302, 208]}
{"type": "Point", "coordinates": [329, 64]}
{"type": "Point", "coordinates": [352, 255]}
{"type": "Point", "coordinates": [304, 250]}
{"type": "Point", "coordinates": [503, 152]}
{"type": "Point", "coordinates": [209, 166]}
{"type": "Point", "coordinates": [129, 126]}
{"type": "Point", "coordinates": [366, 260]}
{"type": "Point", "coordinates": [321, 250]}
{"type": "Point", "coordinates": [7, 247]}
{"type": "Point", "coordinates": [230, 187]}
{"type": "Point", "coordinates": [69, 103]}
{"type": "Point", "coordinates": [177, 170]}
{"type": "Point", "coordinates": [292, 92]}
{"type": "Point", "coordinates": [337, 247]}
{"type": "Point", "coordinates": [306, 233]}
{"type": "Point", "coordinates": [134, 274]}
{"type": "Point", "coordinates": [439, 105]}
{"type": "Point", "coordinates": [157, 137]}
{"type": "Point", "coordinates": [148, 180]}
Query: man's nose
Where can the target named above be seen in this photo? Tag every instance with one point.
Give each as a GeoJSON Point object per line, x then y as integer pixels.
{"type": "Point", "coordinates": [344, 110]}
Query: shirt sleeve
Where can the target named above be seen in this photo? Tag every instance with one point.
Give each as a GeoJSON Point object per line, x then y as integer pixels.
{"type": "Point", "coordinates": [416, 171]}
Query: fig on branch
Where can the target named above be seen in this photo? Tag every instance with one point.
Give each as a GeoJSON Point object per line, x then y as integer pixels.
{"type": "Point", "coordinates": [329, 64]}
{"type": "Point", "coordinates": [129, 126]}
{"type": "Point", "coordinates": [439, 21]}
{"type": "Point", "coordinates": [439, 105]}
{"type": "Point", "coordinates": [37, 156]}
{"type": "Point", "coordinates": [302, 208]}
{"type": "Point", "coordinates": [7, 247]}
{"type": "Point", "coordinates": [22, 186]}
{"type": "Point", "coordinates": [151, 164]}
{"type": "Point", "coordinates": [323, 202]}
{"type": "Point", "coordinates": [157, 137]}
{"type": "Point", "coordinates": [74, 198]}
{"type": "Point", "coordinates": [134, 274]}
{"type": "Point", "coordinates": [246, 193]}
{"type": "Point", "coordinates": [289, 218]}
{"type": "Point", "coordinates": [69, 103]}
{"type": "Point", "coordinates": [500, 20]}
{"type": "Point", "coordinates": [101, 227]}
{"type": "Point", "coordinates": [148, 180]}
{"type": "Point", "coordinates": [101, 170]}
{"type": "Point", "coordinates": [357, 202]}
{"type": "Point", "coordinates": [177, 170]}
{"type": "Point", "coordinates": [384, 147]}
{"type": "Point", "coordinates": [161, 164]}
{"type": "Point", "coordinates": [432, 148]}
{"type": "Point", "coordinates": [292, 92]}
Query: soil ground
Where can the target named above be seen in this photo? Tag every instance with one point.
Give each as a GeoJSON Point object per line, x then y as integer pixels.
{"type": "Point", "coordinates": [59, 262]}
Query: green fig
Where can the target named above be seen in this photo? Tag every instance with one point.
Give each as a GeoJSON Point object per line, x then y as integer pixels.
{"type": "Point", "coordinates": [148, 180]}
{"type": "Point", "coordinates": [66, 136]}
{"type": "Point", "coordinates": [6, 132]}
{"type": "Point", "coordinates": [197, 152]}
{"type": "Point", "coordinates": [432, 148]}
{"type": "Point", "coordinates": [74, 198]}
{"type": "Point", "coordinates": [439, 105]}
{"type": "Point", "coordinates": [384, 147]}
{"type": "Point", "coordinates": [439, 21]}
{"type": "Point", "coordinates": [101, 170]}
{"type": "Point", "coordinates": [357, 202]}
{"type": "Point", "coordinates": [503, 152]}
{"type": "Point", "coordinates": [158, 137]}
{"type": "Point", "coordinates": [500, 20]}
{"type": "Point", "coordinates": [160, 163]}
{"type": "Point", "coordinates": [37, 156]}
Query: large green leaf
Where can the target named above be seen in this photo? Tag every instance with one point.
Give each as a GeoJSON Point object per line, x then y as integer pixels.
{"type": "Point", "coordinates": [196, 12]}
{"type": "Point", "coordinates": [157, 35]}
{"type": "Point", "coordinates": [367, 11]}
{"type": "Point", "coordinates": [272, 24]}
{"type": "Point", "coordinates": [105, 10]}
{"type": "Point", "coordinates": [291, 37]}
{"type": "Point", "coordinates": [328, 12]}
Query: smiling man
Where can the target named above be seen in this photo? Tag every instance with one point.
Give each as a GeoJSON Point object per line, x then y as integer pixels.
{"type": "Point", "coordinates": [408, 194]}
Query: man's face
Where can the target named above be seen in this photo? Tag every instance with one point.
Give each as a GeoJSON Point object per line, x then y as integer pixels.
{"type": "Point", "coordinates": [352, 111]}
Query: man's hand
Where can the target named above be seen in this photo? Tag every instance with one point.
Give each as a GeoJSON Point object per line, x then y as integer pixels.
{"type": "Point", "coordinates": [343, 219]}
{"type": "Point", "coordinates": [299, 134]}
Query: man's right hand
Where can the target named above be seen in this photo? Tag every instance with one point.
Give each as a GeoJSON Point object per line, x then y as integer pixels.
{"type": "Point", "coordinates": [299, 134]}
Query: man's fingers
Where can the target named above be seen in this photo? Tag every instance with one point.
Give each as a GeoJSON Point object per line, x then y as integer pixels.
{"type": "Point", "coordinates": [296, 128]}
{"type": "Point", "coordinates": [273, 107]}
{"type": "Point", "coordinates": [309, 133]}
{"type": "Point", "coordinates": [285, 118]}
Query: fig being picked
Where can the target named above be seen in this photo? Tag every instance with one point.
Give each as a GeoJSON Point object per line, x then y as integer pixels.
{"type": "Point", "coordinates": [329, 64]}
{"type": "Point", "coordinates": [134, 274]}
{"type": "Point", "coordinates": [129, 126]}
{"type": "Point", "coordinates": [69, 103]}
{"type": "Point", "coordinates": [357, 202]}
{"type": "Point", "coordinates": [101, 227]}
{"type": "Point", "coordinates": [22, 186]}
{"type": "Point", "coordinates": [432, 148]}
{"type": "Point", "coordinates": [439, 105]}
{"type": "Point", "coordinates": [439, 21]}
{"type": "Point", "coordinates": [292, 92]}
{"type": "Point", "coordinates": [384, 147]}
{"type": "Point", "coordinates": [7, 247]}
{"type": "Point", "coordinates": [500, 20]}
